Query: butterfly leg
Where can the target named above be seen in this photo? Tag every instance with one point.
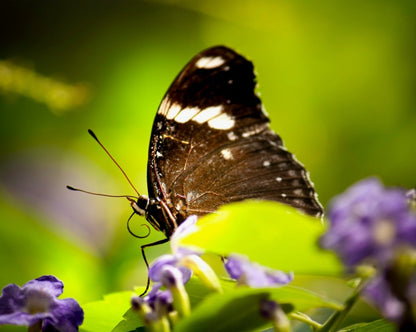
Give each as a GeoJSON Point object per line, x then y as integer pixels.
{"type": "Point", "coordinates": [147, 263]}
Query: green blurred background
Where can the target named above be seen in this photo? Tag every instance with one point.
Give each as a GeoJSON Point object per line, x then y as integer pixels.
{"type": "Point", "coordinates": [337, 78]}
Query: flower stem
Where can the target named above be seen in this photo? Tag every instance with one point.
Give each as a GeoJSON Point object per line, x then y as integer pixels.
{"type": "Point", "coordinates": [336, 319]}
{"type": "Point", "coordinates": [300, 316]}
{"type": "Point", "coordinates": [160, 325]}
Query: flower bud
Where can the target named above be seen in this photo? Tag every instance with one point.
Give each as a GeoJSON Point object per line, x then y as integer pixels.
{"type": "Point", "coordinates": [271, 310]}
{"type": "Point", "coordinates": [171, 278]}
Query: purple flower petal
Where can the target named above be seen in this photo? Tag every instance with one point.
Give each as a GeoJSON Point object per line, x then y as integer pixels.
{"type": "Point", "coordinates": [156, 295]}
{"type": "Point", "coordinates": [187, 227]}
{"type": "Point", "coordinates": [253, 274]}
{"type": "Point", "coordinates": [368, 222]}
{"type": "Point", "coordinates": [48, 284]}
{"type": "Point", "coordinates": [36, 301]}
{"type": "Point", "coordinates": [11, 299]}
{"type": "Point", "coordinates": [170, 276]}
{"type": "Point", "coordinates": [279, 278]}
{"type": "Point", "coordinates": [379, 294]}
{"type": "Point", "coordinates": [236, 266]}
{"type": "Point", "coordinates": [160, 302]}
{"type": "Point", "coordinates": [23, 306]}
{"type": "Point", "coordinates": [22, 318]}
{"type": "Point", "coordinates": [67, 316]}
{"type": "Point", "coordinates": [157, 268]}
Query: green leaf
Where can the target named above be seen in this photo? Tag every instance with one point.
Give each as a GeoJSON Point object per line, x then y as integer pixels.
{"type": "Point", "coordinates": [303, 299]}
{"type": "Point", "coordinates": [234, 311]}
{"type": "Point", "coordinates": [300, 297]}
{"type": "Point", "coordinates": [105, 314]}
{"type": "Point", "coordinates": [336, 289]}
{"type": "Point", "coordinates": [377, 326]}
{"type": "Point", "coordinates": [131, 322]}
{"type": "Point", "coordinates": [237, 309]}
{"type": "Point", "coordinates": [270, 233]}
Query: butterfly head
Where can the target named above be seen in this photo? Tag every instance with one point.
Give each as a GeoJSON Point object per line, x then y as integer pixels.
{"type": "Point", "coordinates": [141, 205]}
{"type": "Point", "coordinates": [151, 209]}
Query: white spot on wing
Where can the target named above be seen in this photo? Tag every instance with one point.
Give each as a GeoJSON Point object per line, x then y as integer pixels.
{"type": "Point", "coordinates": [210, 62]}
{"type": "Point", "coordinates": [254, 130]}
{"type": "Point", "coordinates": [164, 105]}
{"type": "Point", "coordinates": [208, 113]}
{"type": "Point", "coordinates": [272, 143]}
{"type": "Point", "coordinates": [279, 179]}
{"type": "Point", "coordinates": [248, 133]}
{"type": "Point", "coordinates": [186, 114]}
{"type": "Point", "coordinates": [227, 155]}
{"type": "Point", "coordinates": [172, 111]}
{"type": "Point", "coordinates": [264, 110]}
{"type": "Point", "coordinates": [222, 122]}
{"type": "Point", "coordinates": [213, 115]}
{"type": "Point", "coordinates": [266, 163]}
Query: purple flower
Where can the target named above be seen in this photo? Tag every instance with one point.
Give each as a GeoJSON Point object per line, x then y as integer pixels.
{"type": "Point", "coordinates": [170, 272]}
{"type": "Point", "coordinates": [159, 303]}
{"type": "Point", "coordinates": [158, 296]}
{"type": "Point", "coordinates": [253, 274]}
{"type": "Point", "coordinates": [368, 222]}
{"type": "Point", "coordinates": [37, 301]}
{"type": "Point", "coordinates": [171, 276]}
{"type": "Point", "coordinates": [371, 224]}
{"type": "Point", "coordinates": [167, 272]}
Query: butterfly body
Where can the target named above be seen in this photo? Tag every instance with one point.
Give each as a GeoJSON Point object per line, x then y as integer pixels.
{"type": "Point", "coordinates": [211, 144]}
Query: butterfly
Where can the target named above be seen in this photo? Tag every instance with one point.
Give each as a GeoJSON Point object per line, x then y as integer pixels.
{"type": "Point", "coordinates": [211, 144]}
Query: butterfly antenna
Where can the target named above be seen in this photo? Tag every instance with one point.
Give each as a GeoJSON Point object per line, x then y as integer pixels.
{"type": "Point", "coordinates": [115, 162]}
{"type": "Point", "coordinates": [129, 197]}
